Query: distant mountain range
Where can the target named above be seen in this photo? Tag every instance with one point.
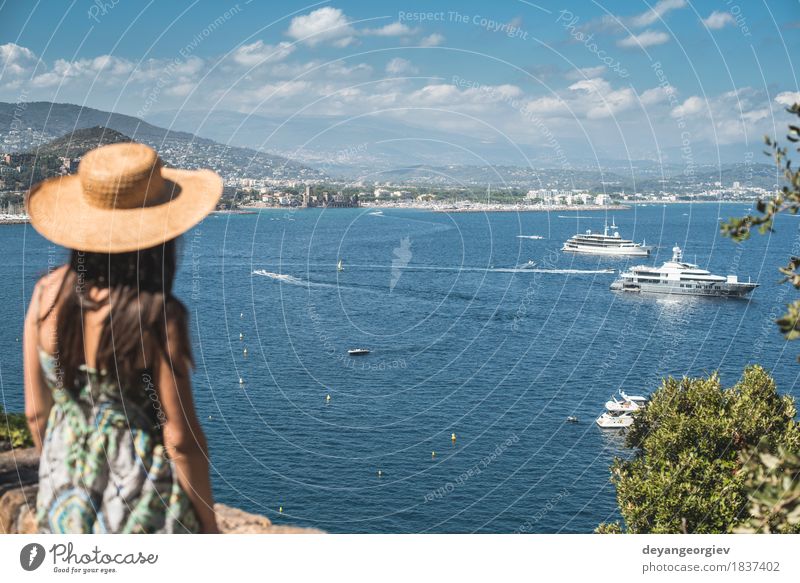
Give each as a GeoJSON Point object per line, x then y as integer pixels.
{"type": "Point", "coordinates": [59, 119]}
{"type": "Point", "coordinates": [356, 147]}
{"type": "Point", "coordinates": [368, 149]}
{"type": "Point", "coordinates": [636, 179]}
{"type": "Point", "coordinates": [24, 127]}
{"type": "Point", "coordinates": [77, 143]}
{"type": "Point", "coordinates": [367, 146]}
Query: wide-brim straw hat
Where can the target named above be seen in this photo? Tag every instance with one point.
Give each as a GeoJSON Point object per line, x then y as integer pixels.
{"type": "Point", "coordinates": [122, 199]}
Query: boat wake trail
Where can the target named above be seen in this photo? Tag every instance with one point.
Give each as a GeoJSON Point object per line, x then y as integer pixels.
{"type": "Point", "coordinates": [296, 281]}
{"type": "Point", "coordinates": [521, 269]}
{"type": "Point", "coordinates": [290, 279]}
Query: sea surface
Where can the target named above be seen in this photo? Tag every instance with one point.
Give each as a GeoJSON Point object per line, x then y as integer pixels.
{"type": "Point", "coordinates": [463, 342]}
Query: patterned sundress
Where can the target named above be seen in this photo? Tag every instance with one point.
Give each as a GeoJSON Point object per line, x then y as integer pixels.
{"type": "Point", "coordinates": [103, 467]}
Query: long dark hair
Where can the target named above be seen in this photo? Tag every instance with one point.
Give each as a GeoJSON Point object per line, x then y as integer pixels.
{"type": "Point", "coordinates": [142, 307]}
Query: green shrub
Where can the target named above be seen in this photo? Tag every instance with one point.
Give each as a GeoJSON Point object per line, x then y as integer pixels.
{"type": "Point", "coordinates": [772, 482]}
{"type": "Point", "coordinates": [14, 429]}
{"type": "Point", "coordinates": [687, 474]}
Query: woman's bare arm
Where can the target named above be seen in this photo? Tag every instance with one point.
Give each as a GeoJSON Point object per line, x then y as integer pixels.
{"type": "Point", "coordinates": [183, 436]}
{"type": "Point", "coordinates": [38, 400]}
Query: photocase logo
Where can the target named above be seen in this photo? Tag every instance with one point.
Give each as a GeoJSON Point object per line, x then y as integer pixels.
{"type": "Point", "coordinates": [402, 256]}
{"type": "Point", "coordinates": [31, 556]}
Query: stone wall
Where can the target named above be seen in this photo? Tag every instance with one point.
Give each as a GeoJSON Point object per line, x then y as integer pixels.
{"type": "Point", "coordinates": [19, 476]}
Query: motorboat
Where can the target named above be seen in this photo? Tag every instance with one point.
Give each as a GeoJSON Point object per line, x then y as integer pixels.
{"type": "Point", "coordinates": [678, 277]}
{"type": "Point", "coordinates": [626, 403]}
{"type": "Point", "coordinates": [615, 420]}
{"type": "Point", "coordinates": [358, 351]}
{"type": "Point", "coordinates": [609, 243]}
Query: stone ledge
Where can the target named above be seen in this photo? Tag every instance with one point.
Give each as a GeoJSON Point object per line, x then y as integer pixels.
{"type": "Point", "coordinates": [19, 471]}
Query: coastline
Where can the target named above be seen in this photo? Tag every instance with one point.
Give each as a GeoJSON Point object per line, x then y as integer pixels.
{"type": "Point", "coordinates": [6, 219]}
{"type": "Point", "coordinates": [481, 207]}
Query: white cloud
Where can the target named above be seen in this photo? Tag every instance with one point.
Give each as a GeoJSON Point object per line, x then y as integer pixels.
{"type": "Point", "coordinates": [755, 115]}
{"type": "Point", "coordinates": [482, 100]}
{"type": "Point", "coordinates": [547, 106]}
{"type": "Point", "coordinates": [181, 89]}
{"type": "Point", "coordinates": [645, 39]}
{"type": "Point", "coordinates": [590, 105]}
{"type": "Point", "coordinates": [258, 53]}
{"type": "Point", "coordinates": [398, 66]}
{"type": "Point", "coordinates": [719, 19]}
{"type": "Point", "coordinates": [610, 23]}
{"type": "Point", "coordinates": [692, 106]}
{"type": "Point", "coordinates": [586, 72]}
{"type": "Point", "coordinates": [16, 61]}
{"type": "Point", "coordinates": [433, 40]}
{"type": "Point", "coordinates": [656, 13]}
{"type": "Point", "coordinates": [656, 95]}
{"type": "Point", "coordinates": [324, 25]}
{"type": "Point", "coordinates": [393, 29]}
{"type": "Point", "coordinates": [787, 98]}
{"type": "Point", "coordinates": [608, 101]}
{"type": "Point", "coordinates": [729, 117]}
{"type": "Point", "coordinates": [104, 68]}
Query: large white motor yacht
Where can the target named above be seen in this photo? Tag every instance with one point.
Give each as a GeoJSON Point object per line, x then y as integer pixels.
{"type": "Point", "coordinates": [605, 244]}
{"type": "Point", "coordinates": [678, 277]}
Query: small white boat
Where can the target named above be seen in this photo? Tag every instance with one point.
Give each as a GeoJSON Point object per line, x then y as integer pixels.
{"type": "Point", "coordinates": [572, 419]}
{"type": "Point", "coordinates": [358, 351]}
{"type": "Point", "coordinates": [615, 420]}
{"type": "Point", "coordinates": [527, 265]}
{"type": "Point", "coordinates": [340, 266]}
{"type": "Point", "coordinates": [532, 237]}
{"type": "Point", "coordinates": [626, 403]}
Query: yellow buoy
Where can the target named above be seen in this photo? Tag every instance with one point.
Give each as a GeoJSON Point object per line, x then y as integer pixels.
{"type": "Point", "coordinates": [327, 398]}
{"type": "Point", "coordinates": [453, 437]}
{"type": "Point", "coordinates": [280, 509]}
{"type": "Point", "coordinates": [433, 454]}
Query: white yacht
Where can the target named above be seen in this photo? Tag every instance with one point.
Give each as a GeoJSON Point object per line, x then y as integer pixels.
{"type": "Point", "coordinates": [626, 403]}
{"type": "Point", "coordinates": [618, 413]}
{"type": "Point", "coordinates": [605, 244]}
{"type": "Point", "coordinates": [614, 420]}
{"type": "Point", "coordinates": [678, 277]}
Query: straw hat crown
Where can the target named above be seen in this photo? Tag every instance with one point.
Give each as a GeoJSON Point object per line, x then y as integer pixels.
{"type": "Point", "coordinates": [121, 176]}
{"type": "Point", "coordinates": [122, 199]}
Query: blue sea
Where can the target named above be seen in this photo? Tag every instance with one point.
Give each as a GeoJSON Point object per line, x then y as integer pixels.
{"type": "Point", "coordinates": [461, 343]}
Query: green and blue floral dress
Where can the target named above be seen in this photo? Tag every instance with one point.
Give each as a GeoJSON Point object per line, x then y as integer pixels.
{"type": "Point", "coordinates": [103, 467]}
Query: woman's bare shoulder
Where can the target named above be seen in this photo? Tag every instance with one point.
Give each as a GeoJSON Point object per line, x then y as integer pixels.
{"type": "Point", "coordinates": [46, 290]}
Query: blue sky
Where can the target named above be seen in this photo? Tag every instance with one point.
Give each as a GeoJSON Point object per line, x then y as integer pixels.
{"type": "Point", "coordinates": [599, 72]}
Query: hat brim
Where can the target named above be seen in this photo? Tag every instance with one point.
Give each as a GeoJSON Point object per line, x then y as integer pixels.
{"type": "Point", "coordinates": [60, 213]}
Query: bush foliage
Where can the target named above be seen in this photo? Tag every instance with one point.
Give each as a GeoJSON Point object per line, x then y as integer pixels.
{"type": "Point", "coordinates": [695, 442]}
{"type": "Point", "coordinates": [14, 429]}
